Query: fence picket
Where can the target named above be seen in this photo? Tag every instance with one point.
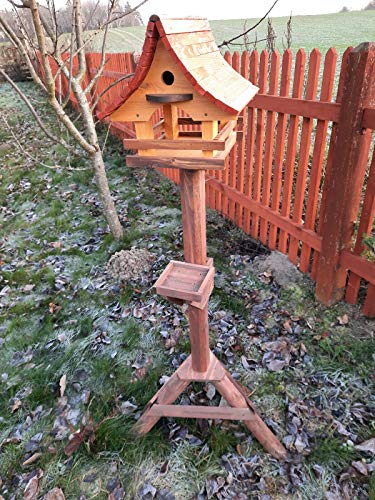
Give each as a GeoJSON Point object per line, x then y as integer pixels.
{"type": "Point", "coordinates": [241, 143]}
{"type": "Point", "coordinates": [304, 152]}
{"type": "Point", "coordinates": [365, 227]}
{"type": "Point", "coordinates": [250, 137]}
{"type": "Point", "coordinates": [225, 173]}
{"type": "Point", "coordinates": [299, 71]}
{"type": "Point", "coordinates": [259, 141]}
{"type": "Point", "coordinates": [318, 155]}
{"type": "Point", "coordinates": [328, 165]}
{"type": "Point", "coordinates": [269, 144]}
{"type": "Point", "coordinates": [280, 146]}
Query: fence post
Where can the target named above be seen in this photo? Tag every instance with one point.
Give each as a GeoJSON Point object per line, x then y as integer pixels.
{"type": "Point", "coordinates": [344, 185]}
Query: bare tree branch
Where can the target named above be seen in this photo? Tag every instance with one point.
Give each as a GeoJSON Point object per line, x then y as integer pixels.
{"type": "Point", "coordinates": [228, 42]}
{"type": "Point", "coordinates": [111, 85]}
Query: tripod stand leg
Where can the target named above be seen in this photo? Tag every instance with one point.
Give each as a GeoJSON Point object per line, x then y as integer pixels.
{"type": "Point", "coordinates": [230, 391]}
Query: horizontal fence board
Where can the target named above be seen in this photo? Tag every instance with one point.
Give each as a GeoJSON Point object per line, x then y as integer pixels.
{"type": "Point", "coordinates": [256, 207]}
{"type": "Point", "coordinates": [295, 106]}
{"type": "Point", "coordinates": [359, 265]}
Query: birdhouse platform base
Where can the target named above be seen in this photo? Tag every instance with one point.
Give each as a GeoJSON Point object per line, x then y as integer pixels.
{"type": "Point", "coordinates": [239, 406]}
{"type": "Point", "coordinates": [188, 282]}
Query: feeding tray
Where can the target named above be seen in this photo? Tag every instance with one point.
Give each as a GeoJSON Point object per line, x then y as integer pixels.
{"type": "Point", "coordinates": [185, 281]}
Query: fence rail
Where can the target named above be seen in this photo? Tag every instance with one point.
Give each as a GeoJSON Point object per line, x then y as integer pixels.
{"type": "Point", "coordinates": [299, 177]}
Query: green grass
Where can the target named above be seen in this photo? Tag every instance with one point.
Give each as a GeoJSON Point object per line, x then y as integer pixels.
{"type": "Point", "coordinates": [64, 340]}
{"type": "Point", "coordinates": [338, 30]}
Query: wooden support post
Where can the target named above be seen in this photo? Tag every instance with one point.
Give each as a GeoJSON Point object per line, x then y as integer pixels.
{"type": "Point", "coordinates": [144, 130]}
{"type": "Point", "coordinates": [192, 187]}
{"type": "Point", "coordinates": [344, 185]}
{"type": "Point", "coordinates": [170, 121]}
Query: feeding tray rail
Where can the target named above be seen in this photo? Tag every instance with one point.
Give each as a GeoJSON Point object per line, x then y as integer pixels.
{"type": "Point", "coordinates": [187, 151]}
{"type": "Point", "coordinates": [191, 283]}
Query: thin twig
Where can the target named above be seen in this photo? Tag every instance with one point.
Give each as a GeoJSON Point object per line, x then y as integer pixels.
{"type": "Point", "coordinates": [228, 42]}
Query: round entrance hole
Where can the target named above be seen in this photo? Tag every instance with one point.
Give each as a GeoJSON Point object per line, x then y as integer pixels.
{"type": "Point", "coordinates": [168, 77]}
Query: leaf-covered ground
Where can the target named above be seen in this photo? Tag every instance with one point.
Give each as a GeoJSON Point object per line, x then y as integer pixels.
{"type": "Point", "coordinates": [81, 352]}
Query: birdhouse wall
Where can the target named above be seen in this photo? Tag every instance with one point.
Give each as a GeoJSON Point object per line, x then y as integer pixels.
{"type": "Point", "coordinates": [138, 109]}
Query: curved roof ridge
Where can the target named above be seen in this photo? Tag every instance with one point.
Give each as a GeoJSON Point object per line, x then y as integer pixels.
{"type": "Point", "coordinates": [192, 47]}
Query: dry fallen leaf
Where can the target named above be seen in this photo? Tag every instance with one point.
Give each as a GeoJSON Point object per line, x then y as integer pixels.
{"type": "Point", "coordinates": [368, 445]}
{"type": "Point", "coordinates": [55, 494]}
{"type": "Point", "coordinates": [62, 385]}
{"type": "Point", "coordinates": [343, 320]}
{"type": "Point", "coordinates": [31, 489]}
{"type": "Point", "coordinates": [86, 433]}
{"type": "Point", "coordinates": [55, 244]}
{"type": "Point", "coordinates": [32, 459]}
{"type": "Point", "coordinates": [17, 405]}
{"type": "Point", "coordinates": [360, 467]}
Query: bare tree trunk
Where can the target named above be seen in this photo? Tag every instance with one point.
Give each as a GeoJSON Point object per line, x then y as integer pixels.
{"type": "Point", "coordinates": [97, 162]}
{"type": "Point", "coordinates": [105, 196]}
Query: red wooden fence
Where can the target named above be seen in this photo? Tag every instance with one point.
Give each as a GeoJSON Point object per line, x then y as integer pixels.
{"type": "Point", "coordinates": [299, 176]}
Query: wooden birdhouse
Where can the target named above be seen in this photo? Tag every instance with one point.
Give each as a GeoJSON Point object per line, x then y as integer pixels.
{"type": "Point", "coordinates": [181, 69]}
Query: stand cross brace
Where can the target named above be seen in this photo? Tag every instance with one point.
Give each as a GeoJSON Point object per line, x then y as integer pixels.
{"type": "Point", "coordinates": [240, 407]}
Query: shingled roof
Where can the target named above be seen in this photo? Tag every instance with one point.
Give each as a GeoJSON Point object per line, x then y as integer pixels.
{"type": "Point", "coordinates": [192, 47]}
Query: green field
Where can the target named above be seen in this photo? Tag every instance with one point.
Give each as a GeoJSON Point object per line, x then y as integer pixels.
{"type": "Point", "coordinates": [329, 30]}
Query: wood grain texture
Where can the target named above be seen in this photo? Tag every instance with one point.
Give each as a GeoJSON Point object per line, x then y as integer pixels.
{"type": "Point", "coordinates": [365, 227]}
{"type": "Point", "coordinates": [269, 144]}
{"type": "Point", "coordinates": [318, 156]}
{"type": "Point", "coordinates": [259, 142]}
{"type": "Point", "coordinates": [279, 147]}
{"type": "Point", "coordinates": [304, 152]}
{"type": "Point", "coordinates": [291, 147]}
{"type": "Point", "coordinates": [250, 142]}
{"type": "Point", "coordinates": [189, 282]}
{"type": "Point", "coordinates": [230, 392]}
{"type": "Point", "coordinates": [208, 412]}
{"type": "Point", "coordinates": [347, 173]}
{"type": "Point", "coordinates": [328, 164]}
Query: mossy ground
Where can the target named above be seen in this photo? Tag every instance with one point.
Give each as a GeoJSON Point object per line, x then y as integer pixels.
{"type": "Point", "coordinates": [56, 304]}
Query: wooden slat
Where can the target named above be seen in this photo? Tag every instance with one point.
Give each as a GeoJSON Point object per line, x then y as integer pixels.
{"type": "Point", "coordinates": [250, 141]}
{"type": "Point", "coordinates": [328, 165]}
{"type": "Point", "coordinates": [347, 176]}
{"type": "Point", "coordinates": [299, 71]}
{"type": "Point", "coordinates": [296, 106]}
{"type": "Point", "coordinates": [233, 154]}
{"type": "Point", "coordinates": [225, 174]}
{"type": "Point", "coordinates": [241, 142]}
{"type": "Point", "coordinates": [176, 144]}
{"type": "Point", "coordinates": [318, 155]}
{"type": "Point", "coordinates": [259, 142]}
{"type": "Point", "coordinates": [210, 130]}
{"type": "Point", "coordinates": [289, 226]}
{"type": "Point", "coordinates": [209, 412]}
{"type": "Point", "coordinates": [304, 151]}
{"type": "Point", "coordinates": [188, 162]}
{"type": "Point", "coordinates": [172, 26]}
{"type": "Point", "coordinates": [359, 265]}
{"type": "Point", "coordinates": [368, 120]}
{"type": "Point", "coordinates": [369, 305]}
{"type": "Point", "coordinates": [365, 227]}
{"type": "Point", "coordinates": [280, 146]}
{"type": "Point", "coordinates": [268, 153]}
